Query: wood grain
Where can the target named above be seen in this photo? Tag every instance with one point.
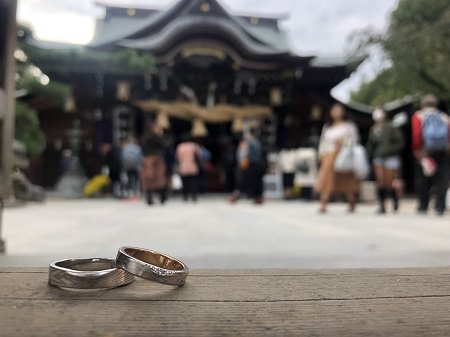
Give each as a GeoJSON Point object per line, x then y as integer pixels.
{"type": "Point", "coordinates": [404, 302]}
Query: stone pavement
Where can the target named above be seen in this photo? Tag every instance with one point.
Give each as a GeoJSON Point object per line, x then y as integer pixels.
{"type": "Point", "coordinates": [215, 234]}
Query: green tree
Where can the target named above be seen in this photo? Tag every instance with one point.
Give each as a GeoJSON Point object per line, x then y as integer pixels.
{"type": "Point", "coordinates": [28, 130]}
{"type": "Point", "coordinates": [124, 62]}
{"type": "Point", "coordinates": [32, 81]}
{"type": "Point", "coordinates": [417, 43]}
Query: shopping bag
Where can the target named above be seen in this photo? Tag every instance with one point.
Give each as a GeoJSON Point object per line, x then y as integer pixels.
{"type": "Point", "coordinates": [96, 185]}
{"type": "Point", "coordinates": [361, 165]}
{"type": "Point", "coordinates": [344, 159]}
{"type": "Point", "coordinates": [177, 183]}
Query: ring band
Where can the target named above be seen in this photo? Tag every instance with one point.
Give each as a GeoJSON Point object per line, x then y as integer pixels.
{"type": "Point", "coordinates": [94, 273]}
{"type": "Point", "coordinates": [152, 266]}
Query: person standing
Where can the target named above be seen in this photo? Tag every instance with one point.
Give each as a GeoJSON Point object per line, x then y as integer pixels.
{"type": "Point", "coordinates": [204, 165]}
{"type": "Point", "coordinates": [112, 161]}
{"type": "Point", "coordinates": [187, 155]}
{"type": "Point", "coordinates": [256, 169]}
{"type": "Point", "coordinates": [131, 164]}
{"type": "Point", "coordinates": [430, 146]}
{"type": "Point", "coordinates": [154, 178]}
{"type": "Point", "coordinates": [336, 134]}
{"type": "Point", "coordinates": [384, 148]}
{"type": "Point", "coordinates": [252, 166]}
{"type": "Point", "coordinates": [287, 164]}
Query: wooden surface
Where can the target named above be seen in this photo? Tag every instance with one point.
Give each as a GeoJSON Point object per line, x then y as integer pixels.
{"type": "Point", "coordinates": [402, 302]}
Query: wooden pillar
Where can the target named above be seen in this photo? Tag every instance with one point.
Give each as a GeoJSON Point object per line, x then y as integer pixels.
{"type": "Point", "coordinates": [8, 34]}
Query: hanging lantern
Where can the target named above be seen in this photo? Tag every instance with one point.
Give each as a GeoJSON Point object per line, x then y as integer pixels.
{"type": "Point", "coordinates": [276, 97]}
{"type": "Point", "coordinates": [199, 128]}
{"type": "Point", "coordinates": [123, 90]}
{"type": "Point", "coordinates": [162, 120]}
{"type": "Point", "coordinates": [69, 104]}
{"type": "Point", "coordinates": [238, 125]}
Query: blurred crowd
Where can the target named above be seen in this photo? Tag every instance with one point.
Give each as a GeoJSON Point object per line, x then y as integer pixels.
{"type": "Point", "coordinates": [343, 159]}
{"type": "Point", "coordinates": [154, 167]}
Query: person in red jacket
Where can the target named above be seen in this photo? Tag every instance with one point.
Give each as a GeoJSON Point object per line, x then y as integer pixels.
{"type": "Point", "coordinates": [430, 146]}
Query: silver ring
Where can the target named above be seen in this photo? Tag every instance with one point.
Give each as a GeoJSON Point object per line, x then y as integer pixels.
{"type": "Point", "coordinates": [94, 273]}
{"type": "Point", "coordinates": [152, 266]}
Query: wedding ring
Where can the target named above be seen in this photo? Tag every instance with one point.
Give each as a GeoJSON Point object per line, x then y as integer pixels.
{"type": "Point", "coordinates": [91, 273]}
{"type": "Point", "coordinates": [152, 266]}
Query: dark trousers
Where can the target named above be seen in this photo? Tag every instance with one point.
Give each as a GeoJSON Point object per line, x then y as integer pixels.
{"type": "Point", "coordinates": [436, 184]}
{"type": "Point", "coordinates": [132, 181]}
{"type": "Point", "coordinates": [254, 181]}
{"type": "Point", "coordinates": [190, 187]}
{"type": "Point", "coordinates": [162, 196]}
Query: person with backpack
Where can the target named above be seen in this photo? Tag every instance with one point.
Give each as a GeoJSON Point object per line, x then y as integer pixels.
{"type": "Point", "coordinates": [131, 162]}
{"type": "Point", "coordinates": [430, 145]}
{"type": "Point", "coordinates": [384, 148]}
{"type": "Point", "coordinates": [252, 166]}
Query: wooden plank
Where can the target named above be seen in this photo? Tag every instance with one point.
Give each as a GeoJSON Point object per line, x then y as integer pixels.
{"type": "Point", "coordinates": [264, 286]}
{"type": "Point", "coordinates": [379, 317]}
{"type": "Point", "coordinates": [3, 102]}
{"type": "Point", "coordinates": [397, 302]}
{"type": "Point", "coordinates": [8, 105]}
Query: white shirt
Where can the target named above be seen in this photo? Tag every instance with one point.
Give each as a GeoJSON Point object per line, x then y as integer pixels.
{"type": "Point", "coordinates": [335, 134]}
{"type": "Point", "coordinates": [286, 161]}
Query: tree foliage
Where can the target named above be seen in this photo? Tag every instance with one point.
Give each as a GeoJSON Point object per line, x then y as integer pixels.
{"type": "Point", "coordinates": [417, 43]}
{"type": "Point", "coordinates": [27, 129]}
{"type": "Point", "coordinates": [125, 62]}
{"type": "Point", "coordinates": [31, 79]}
{"type": "Point", "coordinates": [54, 92]}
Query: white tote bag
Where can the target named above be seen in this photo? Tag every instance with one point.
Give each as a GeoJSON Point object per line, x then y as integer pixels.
{"type": "Point", "coordinates": [177, 183]}
{"type": "Point", "coordinates": [361, 165]}
{"type": "Point", "coordinates": [344, 160]}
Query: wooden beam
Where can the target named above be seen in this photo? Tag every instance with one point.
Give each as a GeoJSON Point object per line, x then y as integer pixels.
{"type": "Point", "coordinates": [7, 99]}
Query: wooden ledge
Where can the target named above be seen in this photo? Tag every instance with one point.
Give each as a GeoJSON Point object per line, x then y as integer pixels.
{"type": "Point", "coordinates": [365, 302]}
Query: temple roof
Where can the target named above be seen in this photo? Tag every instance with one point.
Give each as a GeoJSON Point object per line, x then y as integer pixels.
{"type": "Point", "coordinates": [253, 41]}
{"type": "Point", "coordinates": [203, 32]}
{"type": "Point", "coordinates": [138, 27]}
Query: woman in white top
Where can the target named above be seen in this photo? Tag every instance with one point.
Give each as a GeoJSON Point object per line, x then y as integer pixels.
{"type": "Point", "coordinates": [334, 135]}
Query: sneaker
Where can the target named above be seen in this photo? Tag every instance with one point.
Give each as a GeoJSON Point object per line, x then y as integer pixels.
{"type": "Point", "coordinates": [440, 213]}
{"type": "Point", "coordinates": [259, 201]}
{"type": "Point", "coordinates": [381, 210]}
{"type": "Point", "coordinates": [234, 198]}
{"type": "Point", "coordinates": [421, 211]}
{"type": "Point", "coordinates": [351, 208]}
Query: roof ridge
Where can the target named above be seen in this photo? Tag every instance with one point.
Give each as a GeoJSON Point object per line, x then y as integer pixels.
{"type": "Point", "coordinates": [243, 14]}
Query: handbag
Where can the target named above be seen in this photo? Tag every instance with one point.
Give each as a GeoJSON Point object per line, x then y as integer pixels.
{"type": "Point", "coordinates": [344, 161]}
{"type": "Point", "coordinates": [177, 183]}
{"type": "Point", "coordinates": [244, 164]}
{"type": "Point", "coordinates": [361, 165]}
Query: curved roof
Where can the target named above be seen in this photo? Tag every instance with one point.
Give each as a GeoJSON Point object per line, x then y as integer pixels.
{"type": "Point", "coordinates": [179, 27]}
{"type": "Point", "coordinates": [119, 28]}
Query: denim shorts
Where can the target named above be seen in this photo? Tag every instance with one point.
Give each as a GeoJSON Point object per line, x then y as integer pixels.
{"type": "Point", "coordinates": [390, 163]}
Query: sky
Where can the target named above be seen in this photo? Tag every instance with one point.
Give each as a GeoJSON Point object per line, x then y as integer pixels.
{"type": "Point", "coordinates": [314, 27]}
